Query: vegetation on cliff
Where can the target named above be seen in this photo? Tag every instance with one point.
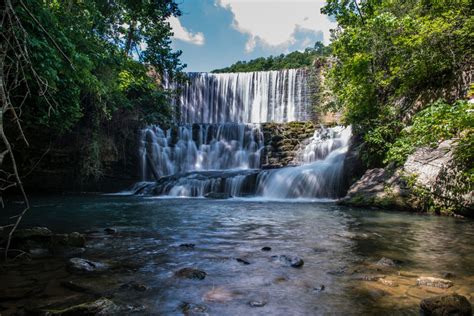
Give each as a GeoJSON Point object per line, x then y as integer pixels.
{"type": "Point", "coordinates": [289, 61]}
{"type": "Point", "coordinates": [90, 65]}
{"type": "Point", "coordinates": [401, 73]}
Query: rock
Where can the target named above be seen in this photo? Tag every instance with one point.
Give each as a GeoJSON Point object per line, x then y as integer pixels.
{"type": "Point", "coordinates": [35, 232]}
{"type": "Point", "coordinates": [190, 273]}
{"type": "Point", "coordinates": [187, 246]}
{"type": "Point", "coordinates": [266, 249]}
{"type": "Point", "coordinates": [73, 286]}
{"type": "Point", "coordinates": [242, 261]}
{"type": "Point", "coordinates": [434, 282]}
{"type": "Point", "coordinates": [110, 231]}
{"type": "Point", "coordinates": [79, 265]}
{"type": "Point", "coordinates": [292, 261]}
{"type": "Point", "coordinates": [320, 288]}
{"type": "Point", "coordinates": [453, 304]}
{"type": "Point", "coordinates": [67, 240]}
{"type": "Point", "coordinates": [217, 195]}
{"type": "Point", "coordinates": [135, 286]}
{"type": "Point", "coordinates": [386, 262]}
{"type": "Point", "coordinates": [102, 306]}
{"type": "Point", "coordinates": [220, 295]}
{"type": "Point", "coordinates": [387, 282]}
{"type": "Point", "coordinates": [257, 303]}
{"type": "Point", "coordinates": [369, 277]}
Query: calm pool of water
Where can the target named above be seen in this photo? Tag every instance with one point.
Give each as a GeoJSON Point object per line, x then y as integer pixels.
{"type": "Point", "coordinates": [338, 246]}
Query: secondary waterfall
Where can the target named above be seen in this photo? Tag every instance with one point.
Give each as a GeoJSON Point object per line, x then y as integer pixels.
{"type": "Point", "coordinates": [250, 97]}
{"type": "Point", "coordinates": [219, 148]}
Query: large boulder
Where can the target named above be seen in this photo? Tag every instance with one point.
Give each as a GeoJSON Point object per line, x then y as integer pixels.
{"type": "Point", "coordinates": [445, 305]}
{"type": "Point", "coordinates": [428, 181]}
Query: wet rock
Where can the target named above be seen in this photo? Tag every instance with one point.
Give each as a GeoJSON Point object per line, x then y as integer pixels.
{"type": "Point", "coordinates": [35, 232]}
{"type": "Point", "coordinates": [187, 246]}
{"type": "Point", "coordinates": [190, 273]}
{"type": "Point", "coordinates": [242, 261]}
{"type": "Point", "coordinates": [217, 195]}
{"type": "Point", "coordinates": [453, 304]}
{"type": "Point", "coordinates": [386, 262]}
{"type": "Point", "coordinates": [257, 303]}
{"type": "Point", "coordinates": [434, 282]}
{"type": "Point", "coordinates": [388, 282]}
{"type": "Point", "coordinates": [102, 306]}
{"type": "Point", "coordinates": [110, 231]}
{"type": "Point", "coordinates": [292, 261]}
{"type": "Point", "coordinates": [266, 248]}
{"type": "Point", "coordinates": [135, 286]}
{"type": "Point", "coordinates": [369, 277]}
{"type": "Point", "coordinates": [79, 265]}
{"type": "Point", "coordinates": [320, 288]}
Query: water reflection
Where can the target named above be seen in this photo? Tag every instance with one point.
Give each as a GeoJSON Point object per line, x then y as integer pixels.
{"type": "Point", "coordinates": [339, 246]}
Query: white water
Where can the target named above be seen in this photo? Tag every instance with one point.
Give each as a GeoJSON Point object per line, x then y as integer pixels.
{"type": "Point", "coordinates": [218, 148]}
{"type": "Point", "coordinates": [251, 97]}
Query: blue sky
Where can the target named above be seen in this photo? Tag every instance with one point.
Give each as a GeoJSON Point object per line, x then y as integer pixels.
{"type": "Point", "coordinates": [216, 33]}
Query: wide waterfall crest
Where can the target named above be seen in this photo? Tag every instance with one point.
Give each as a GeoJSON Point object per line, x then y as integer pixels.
{"type": "Point", "coordinates": [250, 97]}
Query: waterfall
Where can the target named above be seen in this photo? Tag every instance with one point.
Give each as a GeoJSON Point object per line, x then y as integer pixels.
{"type": "Point", "coordinates": [199, 147]}
{"type": "Point", "coordinates": [319, 174]}
{"type": "Point", "coordinates": [250, 97]}
{"type": "Point", "coordinates": [217, 149]}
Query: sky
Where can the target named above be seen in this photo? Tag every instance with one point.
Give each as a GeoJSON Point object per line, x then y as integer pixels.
{"type": "Point", "coordinates": [216, 33]}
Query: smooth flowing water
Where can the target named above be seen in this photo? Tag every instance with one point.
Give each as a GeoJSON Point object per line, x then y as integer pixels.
{"type": "Point", "coordinates": [340, 247]}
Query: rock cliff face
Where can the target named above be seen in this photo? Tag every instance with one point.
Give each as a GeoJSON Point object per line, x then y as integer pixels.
{"type": "Point", "coordinates": [428, 181]}
{"type": "Point", "coordinates": [282, 141]}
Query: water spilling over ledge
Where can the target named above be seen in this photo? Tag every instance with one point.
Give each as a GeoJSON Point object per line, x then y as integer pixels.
{"type": "Point", "coordinates": [251, 97]}
{"type": "Point", "coordinates": [218, 151]}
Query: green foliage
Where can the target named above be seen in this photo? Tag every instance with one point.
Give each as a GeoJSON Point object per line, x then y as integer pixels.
{"type": "Point", "coordinates": [106, 51]}
{"type": "Point", "coordinates": [289, 61]}
{"type": "Point", "coordinates": [389, 52]}
{"type": "Point", "coordinates": [438, 122]}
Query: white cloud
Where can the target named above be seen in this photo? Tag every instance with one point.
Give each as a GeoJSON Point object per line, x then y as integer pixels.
{"type": "Point", "coordinates": [275, 23]}
{"type": "Point", "coordinates": [181, 33]}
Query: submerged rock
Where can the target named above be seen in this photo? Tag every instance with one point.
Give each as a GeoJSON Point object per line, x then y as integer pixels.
{"type": "Point", "coordinates": [134, 286]}
{"type": "Point", "coordinates": [257, 303]}
{"type": "Point", "coordinates": [190, 308]}
{"type": "Point", "coordinates": [320, 288]}
{"type": "Point", "coordinates": [110, 231]}
{"type": "Point", "coordinates": [79, 265]}
{"type": "Point", "coordinates": [217, 195]}
{"type": "Point", "coordinates": [190, 273]}
{"type": "Point", "coordinates": [453, 304]}
{"type": "Point", "coordinates": [242, 261]}
{"type": "Point", "coordinates": [386, 262]}
{"type": "Point", "coordinates": [434, 282]}
{"type": "Point", "coordinates": [187, 246]}
{"type": "Point", "coordinates": [266, 248]}
{"type": "Point", "coordinates": [292, 261]}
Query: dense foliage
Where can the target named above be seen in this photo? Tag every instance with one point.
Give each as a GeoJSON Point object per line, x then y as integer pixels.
{"type": "Point", "coordinates": [289, 61]}
{"type": "Point", "coordinates": [391, 57]}
{"type": "Point", "coordinates": [95, 57]}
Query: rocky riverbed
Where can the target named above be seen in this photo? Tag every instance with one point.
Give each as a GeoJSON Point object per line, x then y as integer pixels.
{"type": "Point", "coordinates": [197, 257]}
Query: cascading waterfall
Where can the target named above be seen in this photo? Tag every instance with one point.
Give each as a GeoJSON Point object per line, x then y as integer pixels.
{"type": "Point", "coordinates": [217, 150]}
{"type": "Point", "coordinates": [319, 174]}
{"type": "Point", "coordinates": [250, 97]}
